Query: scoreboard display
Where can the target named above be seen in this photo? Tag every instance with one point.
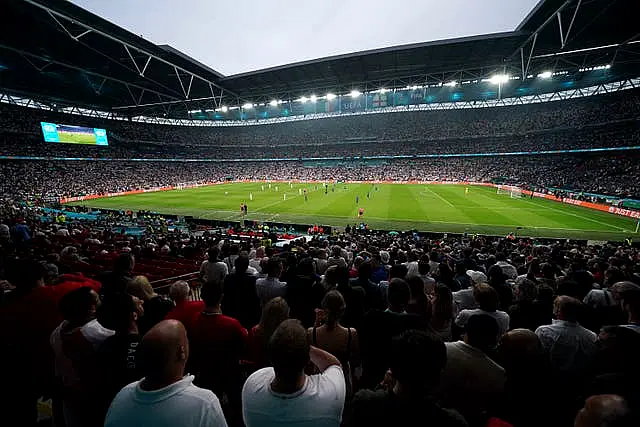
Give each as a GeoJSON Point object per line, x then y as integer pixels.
{"type": "Point", "coordinates": [68, 134]}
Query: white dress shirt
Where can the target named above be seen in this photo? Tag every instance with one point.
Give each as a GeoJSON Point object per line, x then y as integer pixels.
{"type": "Point", "coordinates": [570, 346]}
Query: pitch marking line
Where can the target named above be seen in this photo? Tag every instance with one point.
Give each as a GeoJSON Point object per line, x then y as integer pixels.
{"type": "Point", "coordinates": [440, 197]}
{"type": "Point", "coordinates": [584, 218]}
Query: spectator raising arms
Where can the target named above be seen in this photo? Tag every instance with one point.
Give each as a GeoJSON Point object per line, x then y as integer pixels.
{"type": "Point", "coordinates": [284, 394]}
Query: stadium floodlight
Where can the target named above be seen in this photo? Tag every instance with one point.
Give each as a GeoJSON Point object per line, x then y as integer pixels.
{"type": "Point", "coordinates": [313, 98]}
{"type": "Point", "coordinates": [331, 96]}
{"type": "Point", "coordinates": [355, 93]}
{"type": "Point", "coordinates": [274, 103]}
{"type": "Point", "coordinates": [452, 83]}
{"type": "Point", "coordinates": [607, 66]}
{"type": "Point", "coordinates": [545, 75]}
{"type": "Point", "coordinates": [415, 87]}
{"type": "Point", "coordinates": [247, 106]}
{"type": "Point", "coordinates": [224, 109]}
{"type": "Point", "coordinates": [303, 99]}
{"type": "Point", "coordinates": [383, 90]}
{"type": "Point", "coordinates": [193, 111]}
{"type": "Point", "coordinates": [499, 79]}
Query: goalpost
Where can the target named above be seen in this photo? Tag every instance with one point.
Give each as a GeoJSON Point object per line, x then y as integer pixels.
{"type": "Point", "coordinates": [513, 191]}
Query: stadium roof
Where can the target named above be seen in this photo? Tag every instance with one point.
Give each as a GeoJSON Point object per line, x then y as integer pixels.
{"type": "Point", "coordinates": [57, 52]}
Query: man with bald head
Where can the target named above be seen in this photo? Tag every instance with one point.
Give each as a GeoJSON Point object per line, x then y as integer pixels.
{"type": "Point", "coordinates": [604, 410]}
{"type": "Point", "coordinates": [164, 397]}
{"type": "Point", "coordinates": [571, 347]}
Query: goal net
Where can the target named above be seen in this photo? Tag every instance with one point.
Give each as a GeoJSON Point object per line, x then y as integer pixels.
{"type": "Point", "coordinates": [513, 191]}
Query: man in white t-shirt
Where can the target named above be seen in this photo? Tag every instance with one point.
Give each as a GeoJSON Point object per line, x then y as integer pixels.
{"type": "Point", "coordinates": [165, 397]}
{"type": "Point", "coordinates": [212, 269]}
{"type": "Point", "coordinates": [284, 394]}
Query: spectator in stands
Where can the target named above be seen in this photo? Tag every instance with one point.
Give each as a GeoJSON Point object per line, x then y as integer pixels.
{"type": "Point", "coordinates": [331, 336]}
{"type": "Point", "coordinates": [471, 382]}
{"type": "Point", "coordinates": [446, 277]}
{"type": "Point", "coordinates": [321, 261]}
{"type": "Point", "coordinates": [240, 299]}
{"type": "Point", "coordinates": [354, 297]}
{"type": "Point", "coordinates": [156, 307]}
{"type": "Point", "coordinates": [184, 310]}
{"type": "Point", "coordinates": [527, 373]}
{"type": "Point", "coordinates": [75, 343]}
{"type": "Point", "coordinates": [29, 315]}
{"type": "Point", "coordinates": [270, 287]}
{"type": "Point", "coordinates": [628, 295]}
{"type": "Point", "coordinates": [301, 399]}
{"type": "Point", "coordinates": [397, 271]}
{"type": "Point", "coordinates": [416, 362]}
{"type": "Point", "coordinates": [218, 344]}
{"type": "Point", "coordinates": [418, 302]}
{"type": "Point", "coordinates": [423, 272]}
{"type": "Point", "coordinates": [498, 281]}
{"type": "Point", "coordinates": [336, 257]}
{"type": "Point", "coordinates": [378, 329]}
{"type": "Point", "coordinates": [304, 293]}
{"type": "Point", "coordinates": [442, 312]}
{"type": "Point", "coordinates": [464, 298]}
{"type": "Point", "coordinates": [212, 269]}
{"type": "Point", "coordinates": [257, 258]}
{"type": "Point", "coordinates": [487, 300]}
{"type": "Point", "coordinates": [571, 347]}
{"type": "Point", "coordinates": [165, 397]}
{"type": "Point", "coordinates": [605, 410]}
{"type": "Point", "coordinates": [373, 295]}
{"type": "Point", "coordinates": [274, 312]}
{"type": "Point", "coordinates": [616, 369]}
{"type": "Point", "coordinates": [117, 361]}
{"type": "Point", "coordinates": [524, 313]}
{"type": "Point", "coordinates": [508, 270]}
{"type": "Point", "coordinates": [116, 281]}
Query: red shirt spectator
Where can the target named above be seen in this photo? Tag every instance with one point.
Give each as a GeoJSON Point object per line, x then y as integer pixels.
{"type": "Point", "coordinates": [218, 343]}
{"type": "Point", "coordinates": [185, 310]}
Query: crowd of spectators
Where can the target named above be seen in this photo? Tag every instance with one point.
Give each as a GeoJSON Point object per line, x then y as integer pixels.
{"type": "Point", "coordinates": [360, 328]}
{"type": "Point", "coordinates": [609, 174]}
{"type": "Point", "coordinates": [607, 121]}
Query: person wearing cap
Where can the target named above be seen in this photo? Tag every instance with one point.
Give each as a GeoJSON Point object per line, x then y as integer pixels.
{"type": "Point", "coordinates": [463, 298]}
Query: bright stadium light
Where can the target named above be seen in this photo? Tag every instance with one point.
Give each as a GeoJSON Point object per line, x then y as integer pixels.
{"type": "Point", "coordinates": [355, 93]}
{"type": "Point", "coordinates": [545, 75]}
{"type": "Point", "coordinates": [303, 99]}
{"type": "Point", "coordinates": [274, 103]}
{"type": "Point", "coordinates": [331, 96]}
{"type": "Point", "coordinates": [383, 90]}
{"type": "Point", "coordinates": [499, 79]}
{"type": "Point", "coordinates": [452, 83]}
{"type": "Point", "coordinates": [313, 98]}
{"type": "Point", "coordinates": [247, 106]}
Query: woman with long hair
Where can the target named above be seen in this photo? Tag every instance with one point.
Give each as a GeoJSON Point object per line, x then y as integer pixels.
{"type": "Point", "coordinates": [273, 313]}
{"type": "Point", "coordinates": [442, 312]}
{"type": "Point", "coordinates": [336, 339]}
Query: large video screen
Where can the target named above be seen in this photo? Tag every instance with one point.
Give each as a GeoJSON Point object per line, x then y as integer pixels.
{"type": "Point", "coordinates": [73, 134]}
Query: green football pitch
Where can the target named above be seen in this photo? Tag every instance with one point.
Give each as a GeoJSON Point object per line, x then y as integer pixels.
{"type": "Point", "coordinates": [77, 138]}
{"type": "Point", "coordinates": [440, 208]}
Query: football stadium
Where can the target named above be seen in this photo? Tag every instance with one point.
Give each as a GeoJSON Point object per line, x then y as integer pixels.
{"type": "Point", "coordinates": [445, 231]}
